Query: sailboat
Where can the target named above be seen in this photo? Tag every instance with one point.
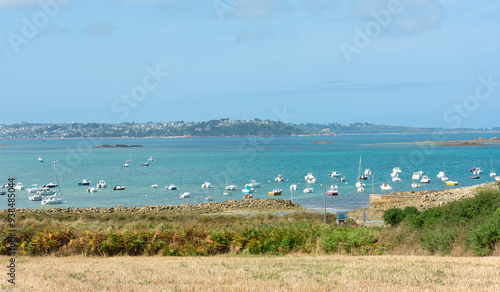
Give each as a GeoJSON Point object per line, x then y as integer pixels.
{"type": "Point", "coordinates": [444, 178]}
{"type": "Point", "coordinates": [359, 184]}
{"type": "Point", "coordinates": [36, 187]}
{"type": "Point", "coordinates": [54, 199]}
{"type": "Point", "coordinates": [492, 173]}
{"type": "Point", "coordinates": [334, 190]}
{"type": "Point", "coordinates": [334, 174]}
{"type": "Point", "coordinates": [226, 190]}
{"type": "Point", "coordinates": [363, 176]}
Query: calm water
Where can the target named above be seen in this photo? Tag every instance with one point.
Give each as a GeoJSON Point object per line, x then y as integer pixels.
{"type": "Point", "coordinates": [190, 162]}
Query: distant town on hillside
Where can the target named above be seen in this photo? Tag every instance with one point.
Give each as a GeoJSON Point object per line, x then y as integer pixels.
{"type": "Point", "coordinates": [212, 128]}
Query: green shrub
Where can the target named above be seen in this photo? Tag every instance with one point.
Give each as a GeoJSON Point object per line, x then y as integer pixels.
{"type": "Point", "coordinates": [483, 238]}
{"type": "Point", "coordinates": [393, 216]}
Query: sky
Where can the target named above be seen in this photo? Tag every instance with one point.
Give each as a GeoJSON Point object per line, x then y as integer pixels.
{"type": "Point", "coordinates": [422, 63]}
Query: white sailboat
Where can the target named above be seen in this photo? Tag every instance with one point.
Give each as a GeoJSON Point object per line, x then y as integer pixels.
{"type": "Point", "coordinates": [361, 176]}
{"type": "Point", "coordinates": [56, 198]}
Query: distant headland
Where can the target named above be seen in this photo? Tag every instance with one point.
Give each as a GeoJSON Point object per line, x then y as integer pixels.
{"type": "Point", "coordinates": [212, 128]}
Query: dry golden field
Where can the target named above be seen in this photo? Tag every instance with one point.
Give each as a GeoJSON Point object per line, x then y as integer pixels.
{"type": "Point", "coordinates": [255, 273]}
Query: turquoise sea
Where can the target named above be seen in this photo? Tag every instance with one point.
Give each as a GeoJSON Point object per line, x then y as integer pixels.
{"type": "Point", "coordinates": [189, 162]}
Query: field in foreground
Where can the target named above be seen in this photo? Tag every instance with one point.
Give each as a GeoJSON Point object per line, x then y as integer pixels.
{"type": "Point", "coordinates": [260, 273]}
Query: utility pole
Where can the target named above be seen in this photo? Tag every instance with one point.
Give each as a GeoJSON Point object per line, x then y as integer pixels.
{"type": "Point", "coordinates": [325, 203]}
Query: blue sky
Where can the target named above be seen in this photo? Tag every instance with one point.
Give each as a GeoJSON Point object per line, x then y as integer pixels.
{"type": "Point", "coordinates": [425, 63]}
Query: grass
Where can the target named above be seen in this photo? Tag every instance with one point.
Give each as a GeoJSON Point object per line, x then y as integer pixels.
{"type": "Point", "coordinates": [258, 273]}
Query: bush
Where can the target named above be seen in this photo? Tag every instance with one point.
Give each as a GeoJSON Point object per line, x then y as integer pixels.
{"type": "Point", "coordinates": [483, 238]}
{"type": "Point", "coordinates": [393, 216]}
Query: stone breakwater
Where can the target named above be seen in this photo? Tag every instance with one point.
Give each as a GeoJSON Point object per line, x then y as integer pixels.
{"type": "Point", "coordinates": [421, 200]}
{"type": "Point", "coordinates": [249, 206]}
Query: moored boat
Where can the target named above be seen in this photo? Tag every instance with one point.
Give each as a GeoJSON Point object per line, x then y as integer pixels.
{"type": "Point", "coordinates": [254, 184]}
{"type": "Point", "coordinates": [92, 190]}
{"type": "Point", "coordinates": [119, 188]}
{"type": "Point", "coordinates": [308, 190]}
{"type": "Point", "coordinates": [208, 198]}
{"type": "Point", "coordinates": [386, 187]}
{"type": "Point", "coordinates": [247, 190]}
{"type": "Point", "coordinates": [425, 179]}
{"type": "Point", "coordinates": [84, 182]}
{"type": "Point", "coordinates": [52, 200]}
{"type": "Point", "coordinates": [276, 192]}
{"type": "Point", "coordinates": [249, 196]}
{"type": "Point", "coordinates": [279, 178]}
{"type": "Point", "coordinates": [206, 185]}
{"type": "Point", "coordinates": [171, 187]}
{"type": "Point", "coordinates": [451, 183]}
{"type": "Point", "coordinates": [155, 186]}
{"type": "Point", "coordinates": [185, 195]}
{"type": "Point", "coordinates": [102, 184]}
{"type": "Point", "coordinates": [19, 186]}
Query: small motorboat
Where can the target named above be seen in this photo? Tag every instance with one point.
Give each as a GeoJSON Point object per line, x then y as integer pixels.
{"type": "Point", "coordinates": [249, 196]}
{"type": "Point", "coordinates": [46, 192]}
{"type": "Point", "coordinates": [19, 186]}
{"type": "Point", "coordinates": [360, 184]}
{"type": "Point", "coordinates": [415, 185]}
{"type": "Point", "coordinates": [2, 192]}
{"type": "Point", "coordinates": [396, 170]}
{"type": "Point", "coordinates": [36, 197]}
{"type": "Point", "coordinates": [208, 198]}
{"type": "Point", "coordinates": [254, 184]}
{"type": "Point", "coordinates": [363, 177]}
{"type": "Point", "coordinates": [145, 164]}
{"type": "Point", "coordinates": [332, 192]}
{"type": "Point", "coordinates": [440, 174]}
{"type": "Point", "coordinates": [206, 185]}
{"type": "Point", "coordinates": [279, 178]}
{"type": "Point", "coordinates": [276, 192]}
{"type": "Point", "coordinates": [386, 187]}
{"type": "Point", "coordinates": [151, 158]}
{"type": "Point", "coordinates": [425, 179]}
{"type": "Point", "coordinates": [474, 177]}
{"type": "Point", "coordinates": [185, 195]}
{"type": "Point", "coordinates": [497, 178]}
{"type": "Point", "coordinates": [171, 187]}
{"type": "Point", "coordinates": [247, 190]}
{"type": "Point", "coordinates": [34, 190]}
{"type": "Point", "coordinates": [40, 159]}
{"type": "Point", "coordinates": [231, 188]}
{"type": "Point", "coordinates": [226, 193]}
{"type": "Point", "coordinates": [119, 188]}
{"type": "Point", "coordinates": [84, 183]}
{"type": "Point", "coordinates": [52, 200]}
{"type": "Point", "coordinates": [50, 185]}
{"type": "Point", "coordinates": [360, 190]}
{"type": "Point", "coordinates": [155, 186]}
{"type": "Point", "coordinates": [92, 190]}
{"type": "Point", "coordinates": [102, 184]}
{"type": "Point", "coordinates": [415, 176]}
{"type": "Point", "coordinates": [341, 179]}
{"type": "Point", "coordinates": [451, 183]}
{"type": "Point", "coordinates": [308, 190]}
{"type": "Point", "coordinates": [476, 170]}
{"type": "Point", "coordinates": [125, 165]}
{"type": "Point", "coordinates": [293, 187]}
{"type": "Point", "coordinates": [396, 178]}
{"type": "Point", "coordinates": [367, 172]}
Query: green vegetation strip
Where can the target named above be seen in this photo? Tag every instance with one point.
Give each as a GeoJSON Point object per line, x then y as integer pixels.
{"type": "Point", "coordinates": [467, 226]}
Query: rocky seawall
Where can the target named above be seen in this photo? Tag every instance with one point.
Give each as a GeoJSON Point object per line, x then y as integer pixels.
{"type": "Point", "coordinates": [421, 200]}
{"type": "Point", "coordinates": [249, 206]}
